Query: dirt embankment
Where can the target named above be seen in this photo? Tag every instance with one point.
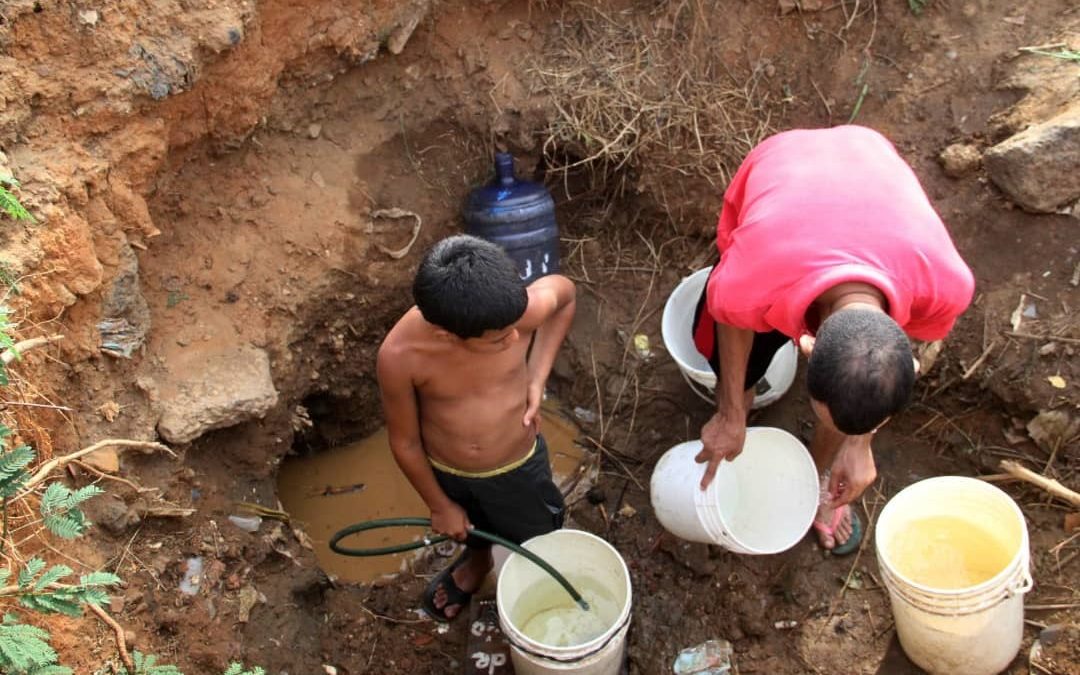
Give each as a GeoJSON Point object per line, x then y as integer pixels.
{"type": "Point", "coordinates": [208, 178]}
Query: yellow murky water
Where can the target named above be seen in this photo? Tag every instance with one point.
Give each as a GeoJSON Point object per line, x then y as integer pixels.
{"type": "Point", "coordinates": [331, 490]}
{"type": "Point", "coordinates": [947, 552]}
{"type": "Point", "coordinates": [546, 613]}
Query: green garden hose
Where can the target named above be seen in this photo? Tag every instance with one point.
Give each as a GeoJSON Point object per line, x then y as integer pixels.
{"type": "Point", "coordinates": [336, 547]}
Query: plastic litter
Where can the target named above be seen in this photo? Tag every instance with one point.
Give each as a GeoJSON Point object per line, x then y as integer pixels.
{"type": "Point", "coordinates": [708, 658]}
{"type": "Point", "coordinates": [193, 568]}
{"type": "Point", "coordinates": [584, 415]}
{"type": "Point", "coordinates": [246, 523]}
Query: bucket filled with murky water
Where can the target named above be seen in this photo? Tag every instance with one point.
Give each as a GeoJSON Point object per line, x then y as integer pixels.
{"type": "Point", "coordinates": [953, 552]}
{"type": "Point", "coordinates": [548, 632]}
{"type": "Point", "coordinates": [762, 502]}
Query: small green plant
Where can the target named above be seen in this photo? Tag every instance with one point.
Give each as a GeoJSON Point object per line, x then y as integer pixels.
{"type": "Point", "coordinates": [239, 669]}
{"type": "Point", "coordinates": [6, 342]}
{"type": "Point", "coordinates": [917, 6]}
{"type": "Point", "coordinates": [9, 203]}
{"type": "Point", "coordinates": [146, 664]}
{"type": "Point", "coordinates": [1063, 53]}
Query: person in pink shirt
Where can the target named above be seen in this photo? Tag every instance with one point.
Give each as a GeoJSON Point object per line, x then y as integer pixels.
{"type": "Point", "coordinates": [826, 238]}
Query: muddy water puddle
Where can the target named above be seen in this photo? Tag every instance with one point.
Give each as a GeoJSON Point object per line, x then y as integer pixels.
{"type": "Point", "coordinates": [333, 489]}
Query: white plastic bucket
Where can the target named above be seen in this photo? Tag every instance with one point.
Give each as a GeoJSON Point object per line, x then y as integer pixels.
{"type": "Point", "coordinates": [677, 329]}
{"type": "Point", "coordinates": [975, 630]}
{"type": "Point", "coordinates": [762, 502]}
{"type": "Point", "coordinates": [578, 556]}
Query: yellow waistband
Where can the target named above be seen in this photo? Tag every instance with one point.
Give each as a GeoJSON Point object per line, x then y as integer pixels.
{"type": "Point", "coordinates": [506, 468]}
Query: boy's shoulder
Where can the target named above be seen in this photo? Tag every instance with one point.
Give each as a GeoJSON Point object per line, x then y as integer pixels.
{"type": "Point", "coordinates": [404, 335]}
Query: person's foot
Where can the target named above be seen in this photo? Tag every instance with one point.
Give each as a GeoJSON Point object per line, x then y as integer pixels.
{"type": "Point", "coordinates": [833, 525]}
{"type": "Point", "coordinates": [467, 578]}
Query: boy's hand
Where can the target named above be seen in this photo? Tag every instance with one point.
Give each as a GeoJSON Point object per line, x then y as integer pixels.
{"type": "Point", "coordinates": [533, 400]}
{"type": "Point", "coordinates": [451, 520]}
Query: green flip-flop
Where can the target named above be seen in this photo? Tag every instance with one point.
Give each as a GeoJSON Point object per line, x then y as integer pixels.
{"type": "Point", "coordinates": [853, 542]}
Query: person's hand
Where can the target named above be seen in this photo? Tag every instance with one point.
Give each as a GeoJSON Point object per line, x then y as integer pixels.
{"type": "Point", "coordinates": [852, 471]}
{"type": "Point", "coordinates": [451, 520]}
{"type": "Point", "coordinates": [533, 399]}
{"type": "Point", "coordinates": [722, 438]}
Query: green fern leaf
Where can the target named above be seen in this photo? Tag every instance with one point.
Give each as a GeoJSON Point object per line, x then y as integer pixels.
{"type": "Point", "coordinates": [59, 509]}
{"type": "Point", "coordinates": [10, 205]}
{"type": "Point", "coordinates": [99, 579]}
{"type": "Point", "coordinates": [52, 604]}
{"type": "Point", "coordinates": [23, 648]}
{"type": "Point", "coordinates": [94, 596]}
{"type": "Point", "coordinates": [50, 670]}
{"type": "Point", "coordinates": [13, 469]}
{"type": "Point", "coordinates": [34, 566]}
{"type": "Point", "coordinates": [84, 493]}
{"type": "Point", "coordinates": [4, 431]}
{"type": "Point", "coordinates": [146, 664]}
{"type": "Point", "coordinates": [5, 574]}
{"type": "Point", "coordinates": [55, 573]}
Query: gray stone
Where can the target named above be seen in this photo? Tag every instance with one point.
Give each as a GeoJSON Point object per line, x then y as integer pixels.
{"type": "Point", "coordinates": [230, 387]}
{"type": "Point", "coordinates": [1039, 168]}
{"type": "Point", "coordinates": [960, 159]}
{"type": "Point", "coordinates": [89, 17]}
{"type": "Point", "coordinates": [113, 515]}
{"type": "Point", "coordinates": [399, 36]}
{"type": "Point", "coordinates": [788, 6]}
{"type": "Point", "coordinates": [125, 315]}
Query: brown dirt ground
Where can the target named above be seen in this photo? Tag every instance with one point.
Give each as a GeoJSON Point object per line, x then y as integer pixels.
{"type": "Point", "coordinates": [270, 241]}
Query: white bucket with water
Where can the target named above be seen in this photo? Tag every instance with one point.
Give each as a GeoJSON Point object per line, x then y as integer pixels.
{"type": "Point", "coordinates": [677, 329]}
{"type": "Point", "coordinates": [525, 591]}
{"type": "Point", "coordinates": [762, 502]}
{"type": "Point", "coordinates": [975, 629]}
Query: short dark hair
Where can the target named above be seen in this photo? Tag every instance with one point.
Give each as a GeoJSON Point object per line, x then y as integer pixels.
{"type": "Point", "coordinates": [468, 286]}
{"type": "Point", "coordinates": [861, 368]}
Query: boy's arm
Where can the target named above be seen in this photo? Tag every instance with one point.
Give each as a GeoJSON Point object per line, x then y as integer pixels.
{"type": "Point", "coordinates": [403, 426]}
{"type": "Point", "coordinates": [553, 299]}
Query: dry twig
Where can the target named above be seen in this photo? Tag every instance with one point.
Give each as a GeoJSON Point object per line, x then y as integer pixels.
{"type": "Point", "coordinates": [118, 630]}
{"type": "Point", "coordinates": [1048, 484]}
{"type": "Point", "coordinates": [59, 462]}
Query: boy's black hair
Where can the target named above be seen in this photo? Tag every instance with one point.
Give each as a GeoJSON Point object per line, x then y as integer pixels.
{"type": "Point", "coordinates": [861, 368]}
{"type": "Point", "coordinates": [467, 286]}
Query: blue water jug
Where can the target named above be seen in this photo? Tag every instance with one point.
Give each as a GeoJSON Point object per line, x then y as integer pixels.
{"type": "Point", "coordinates": [519, 216]}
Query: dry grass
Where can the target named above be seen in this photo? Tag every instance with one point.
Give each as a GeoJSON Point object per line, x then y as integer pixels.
{"type": "Point", "coordinates": [651, 92]}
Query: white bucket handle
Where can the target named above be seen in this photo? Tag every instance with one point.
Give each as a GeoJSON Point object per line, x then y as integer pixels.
{"type": "Point", "coordinates": [1023, 585]}
{"type": "Point", "coordinates": [695, 387]}
{"type": "Point", "coordinates": [572, 659]}
{"type": "Point", "coordinates": [1020, 586]}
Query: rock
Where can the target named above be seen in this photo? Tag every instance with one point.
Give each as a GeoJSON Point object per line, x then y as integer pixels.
{"type": "Point", "coordinates": [960, 159]}
{"type": "Point", "coordinates": [111, 513]}
{"type": "Point", "coordinates": [1051, 428]}
{"type": "Point", "coordinates": [233, 386]}
{"type": "Point", "coordinates": [89, 17]}
{"type": "Point", "coordinates": [125, 314]}
{"type": "Point", "coordinates": [318, 179]}
{"type": "Point", "coordinates": [1039, 168]}
{"type": "Point", "coordinates": [401, 33]}
{"type": "Point", "coordinates": [788, 6]}
{"type": "Point", "coordinates": [106, 460]}
{"type": "Point", "coordinates": [314, 130]}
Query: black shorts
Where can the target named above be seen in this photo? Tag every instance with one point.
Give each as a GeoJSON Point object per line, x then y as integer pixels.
{"type": "Point", "coordinates": [518, 505]}
{"type": "Point", "coordinates": [762, 352]}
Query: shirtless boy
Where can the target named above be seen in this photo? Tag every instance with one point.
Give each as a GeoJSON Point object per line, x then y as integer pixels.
{"type": "Point", "coordinates": [461, 393]}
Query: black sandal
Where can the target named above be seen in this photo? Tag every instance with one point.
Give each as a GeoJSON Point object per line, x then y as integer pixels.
{"type": "Point", "coordinates": [454, 595]}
